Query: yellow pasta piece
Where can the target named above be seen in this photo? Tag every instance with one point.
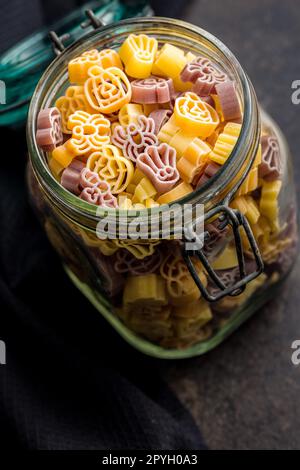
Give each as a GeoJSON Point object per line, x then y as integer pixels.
{"type": "Point", "coordinates": [138, 206]}
{"type": "Point", "coordinates": [107, 90]}
{"type": "Point", "coordinates": [138, 53]}
{"type": "Point", "coordinates": [145, 289]}
{"type": "Point", "coordinates": [269, 201]}
{"type": "Point", "coordinates": [181, 286]}
{"type": "Point", "coordinates": [250, 183]}
{"type": "Point", "coordinates": [63, 154]}
{"type": "Point", "coordinates": [195, 116]}
{"type": "Point", "coordinates": [168, 130]}
{"type": "Point", "coordinates": [112, 167]}
{"type": "Point", "coordinates": [190, 56]}
{"type": "Point", "coordinates": [225, 143]}
{"type": "Point", "coordinates": [144, 190]}
{"type": "Point", "coordinates": [148, 108]}
{"type": "Point", "coordinates": [261, 231]}
{"type": "Point", "coordinates": [73, 101]}
{"type": "Point", "coordinates": [193, 160]}
{"type": "Point", "coordinates": [138, 175]}
{"type": "Point", "coordinates": [169, 61]}
{"type": "Point", "coordinates": [180, 141]}
{"type": "Point", "coordinates": [248, 207]}
{"type": "Point", "coordinates": [181, 86]}
{"type": "Point", "coordinates": [227, 259]}
{"type": "Point", "coordinates": [149, 203]}
{"type": "Point", "coordinates": [78, 67]}
{"type": "Point", "coordinates": [153, 322]}
{"type": "Point", "coordinates": [129, 113]}
{"type": "Point", "coordinates": [272, 250]}
{"type": "Point", "coordinates": [107, 247]}
{"type": "Point", "coordinates": [218, 107]}
{"type": "Point", "coordinates": [191, 316]}
{"type": "Point", "coordinates": [257, 160]}
{"type": "Point", "coordinates": [55, 167]}
{"type": "Point", "coordinates": [89, 133]}
{"type": "Point", "coordinates": [131, 188]}
{"type": "Point", "coordinates": [124, 202]}
{"type": "Point", "coordinates": [181, 190]}
{"type": "Point", "coordinates": [229, 303]}
{"type": "Point", "coordinates": [110, 58]}
{"type": "Point", "coordinates": [138, 248]}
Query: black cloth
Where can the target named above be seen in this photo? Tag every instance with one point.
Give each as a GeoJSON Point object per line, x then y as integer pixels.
{"type": "Point", "coordinates": [70, 381]}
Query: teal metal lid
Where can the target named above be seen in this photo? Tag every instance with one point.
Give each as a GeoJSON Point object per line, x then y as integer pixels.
{"type": "Point", "coordinates": [22, 66]}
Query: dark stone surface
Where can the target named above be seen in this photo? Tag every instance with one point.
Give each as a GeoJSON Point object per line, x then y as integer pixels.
{"type": "Point", "coordinates": [245, 393]}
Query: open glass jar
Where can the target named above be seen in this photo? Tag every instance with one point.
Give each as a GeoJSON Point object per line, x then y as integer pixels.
{"type": "Point", "coordinates": [244, 258]}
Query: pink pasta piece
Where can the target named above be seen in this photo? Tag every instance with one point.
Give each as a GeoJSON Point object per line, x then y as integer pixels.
{"type": "Point", "coordinates": [203, 74]}
{"type": "Point", "coordinates": [152, 90]}
{"type": "Point", "coordinates": [91, 195]}
{"type": "Point", "coordinates": [108, 200]}
{"type": "Point", "coordinates": [100, 195]}
{"type": "Point", "coordinates": [229, 101]}
{"type": "Point", "coordinates": [160, 117]}
{"type": "Point", "coordinates": [209, 100]}
{"type": "Point", "coordinates": [49, 129]}
{"type": "Point", "coordinates": [159, 164]}
{"type": "Point", "coordinates": [270, 168]}
{"type": "Point", "coordinates": [173, 99]}
{"type": "Point", "coordinates": [88, 178]}
{"type": "Point", "coordinates": [210, 170]}
{"type": "Point", "coordinates": [134, 138]}
{"type": "Point", "coordinates": [70, 178]}
{"type": "Point", "coordinates": [230, 276]}
{"type": "Point", "coordinates": [216, 236]}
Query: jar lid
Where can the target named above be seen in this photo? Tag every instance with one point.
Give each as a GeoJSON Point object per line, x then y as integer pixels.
{"type": "Point", "coordinates": [22, 66]}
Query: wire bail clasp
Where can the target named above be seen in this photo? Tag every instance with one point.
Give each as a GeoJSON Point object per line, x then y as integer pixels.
{"type": "Point", "coordinates": [58, 41]}
{"type": "Point", "coordinates": [225, 216]}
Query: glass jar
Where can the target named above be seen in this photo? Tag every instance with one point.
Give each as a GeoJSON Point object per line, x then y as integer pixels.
{"type": "Point", "coordinates": [250, 258]}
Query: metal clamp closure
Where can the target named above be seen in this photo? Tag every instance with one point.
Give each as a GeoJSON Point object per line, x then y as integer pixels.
{"type": "Point", "coordinates": [226, 216]}
{"type": "Point", "coordinates": [58, 41]}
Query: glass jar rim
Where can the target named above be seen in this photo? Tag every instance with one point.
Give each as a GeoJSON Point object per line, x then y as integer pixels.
{"type": "Point", "coordinates": [247, 142]}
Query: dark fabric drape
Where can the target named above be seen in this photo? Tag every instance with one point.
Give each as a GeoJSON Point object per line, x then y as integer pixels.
{"type": "Point", "coordinates": [70, 382]}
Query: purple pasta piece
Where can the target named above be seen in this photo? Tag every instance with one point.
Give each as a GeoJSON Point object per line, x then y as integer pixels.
{"type": "Point", "coordinates": [159, 164]}
{"type": "Point", "coordinates": [152, 90]}
{"type": "Point", "coordinates": [70, 178]}
{"type": "Point", "coordinates": [49, 130]}
{"type": "Point", "coordinates": [160, 117]}
{"type": "Point", "coordinates": [210, 170]}
{"type": "Point", "coordinates": [229, 101]}
{"type": "Point", "coordinates": [91, 195]}
{"type": "Point", "coordinates": [216, 235]}
{"type": "Point", "coordinates": [88, 178]}
{"type": "Point", "coordinates": [134, 138]}
{"type": "Point", "coordinates": [100, 195]}
{"type": "Point", "coordinates": [203, 74]}
{"type": "Point", "coordinates": [270, 168]}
